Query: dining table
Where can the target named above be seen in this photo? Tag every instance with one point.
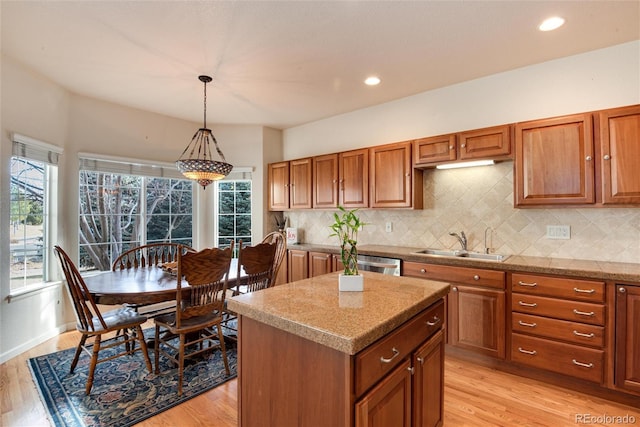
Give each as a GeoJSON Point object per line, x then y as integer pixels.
{"type": "Point", "coordinates": [140, 286]}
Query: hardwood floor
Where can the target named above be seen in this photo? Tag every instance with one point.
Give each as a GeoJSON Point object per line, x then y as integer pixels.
{"type": "Point", "coordinates": [474, 396]}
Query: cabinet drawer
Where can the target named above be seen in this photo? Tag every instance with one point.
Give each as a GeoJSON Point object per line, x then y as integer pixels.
{"type": "Point", "coordinates": [568, 359]}
{"type": "Point", "coordinates": [578, 333]}
{"type": "Point", "coordinates": [582, 290]}
{"type": "Point", "coordinates": [462, 275]}
{"type": "Point", "coordinates": [575, 311]}
{"type": "Point", "coordinates": [379, 358]}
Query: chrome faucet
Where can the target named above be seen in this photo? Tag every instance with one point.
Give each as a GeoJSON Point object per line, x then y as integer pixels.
{"type": "Point", "coordinates": [487, 248]}
{"type": "Point", "coordinates": [461, 238]}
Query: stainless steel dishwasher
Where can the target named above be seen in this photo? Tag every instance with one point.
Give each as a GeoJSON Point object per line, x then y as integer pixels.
{"type": "Point", "coordinates": [379, 264]}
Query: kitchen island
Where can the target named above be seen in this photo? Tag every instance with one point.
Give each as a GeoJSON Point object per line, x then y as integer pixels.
{"type": "Point", "coordinates": [310, 355]}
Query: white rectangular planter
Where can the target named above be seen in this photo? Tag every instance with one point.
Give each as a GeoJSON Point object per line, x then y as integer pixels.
{"type": "Point", "coordinates": [350, 283]}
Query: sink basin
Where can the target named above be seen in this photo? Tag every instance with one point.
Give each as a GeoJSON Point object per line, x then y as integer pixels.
{"type": "Point", "coordinates": [461, 254]}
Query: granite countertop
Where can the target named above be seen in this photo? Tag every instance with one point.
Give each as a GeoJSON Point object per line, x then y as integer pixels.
{"type": "Point", "coordinates": [346, 321]}
{"type": "Point", "coordinates": [598, 270]}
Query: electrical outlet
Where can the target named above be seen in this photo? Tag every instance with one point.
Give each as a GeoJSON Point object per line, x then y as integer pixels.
{"type": "Point", "coordinates": [388, 227]}
{"type": "Point", "coordinates": [562, 232]}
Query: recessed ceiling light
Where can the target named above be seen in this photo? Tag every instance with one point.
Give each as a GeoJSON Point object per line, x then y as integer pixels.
{"type": "Point", "coordinates": [372, 81]}
{"type": "Point", "coordinates": [552, 23]}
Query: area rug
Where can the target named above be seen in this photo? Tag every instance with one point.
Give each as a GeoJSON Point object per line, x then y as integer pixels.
{"type": "Point", "coordinates": [124, 392]}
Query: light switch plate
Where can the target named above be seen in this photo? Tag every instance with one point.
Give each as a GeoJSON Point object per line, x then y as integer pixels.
{"type": "Point", "coordinates": [562, 232]}
{"type": "Point", "coordinates": [388, 227]}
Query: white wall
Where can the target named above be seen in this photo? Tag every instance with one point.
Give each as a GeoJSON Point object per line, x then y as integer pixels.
{"type": "Point", "coordinates": [474, 199]}
{"type": "Point", "coordinates": [600, 79]}
{"type": "Point", "coordinates": [36, 107]}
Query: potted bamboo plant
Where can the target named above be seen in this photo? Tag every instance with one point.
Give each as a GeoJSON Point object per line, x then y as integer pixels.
{"type": "Point", "coordinates": [346, 226]}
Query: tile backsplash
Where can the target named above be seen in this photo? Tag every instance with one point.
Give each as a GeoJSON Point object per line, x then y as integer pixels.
{"type": "Point", "coordinates": [473, 199]}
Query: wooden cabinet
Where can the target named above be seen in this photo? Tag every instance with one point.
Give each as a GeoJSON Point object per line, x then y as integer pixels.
{"type": "Point", "coordinates": [341, 179]}
{"type": "Point", "coordinates": [627, 363]}
{"type": "Point", "coordinates": [353, 171]}
{"type": "Point", "coordinates": [298, 263]}
{"type": "Point", "coordinates": [290, 185]}
{"type": "Point", "coordinates": [399, 379]}
{"type": "Point", "coordinates": [558, 324]}
{"type": "Point", "coordinates": [320, 263]}
{"type": "Point", "coordinates": [619, 154]}
{"type": "Point", "coordinates": [486, 143]}
{"type": "Point", "coordinates": [554, 161]}
{"type": "Point", "coordinates": [394, 183]}
{"type": "Point", "coordinates": [325, 181]}
{"type": "Point", "coordinates": [476, 306]}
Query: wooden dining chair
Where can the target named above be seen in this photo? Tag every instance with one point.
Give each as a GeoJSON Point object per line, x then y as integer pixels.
{"type": "Point", "coordinates": [281, 250]}
{"type": "Point", "coordinates": [93, 324]}
{"type": "Point", "coordinates": [199, 309]}
{"type": "Point", "coordinates": [255, 272]}
{"type": "Point", "coordinates": [150, 255]}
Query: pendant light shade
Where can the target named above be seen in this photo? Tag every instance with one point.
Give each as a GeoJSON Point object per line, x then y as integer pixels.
{"type": "Point", "coordinates": [196, 161]}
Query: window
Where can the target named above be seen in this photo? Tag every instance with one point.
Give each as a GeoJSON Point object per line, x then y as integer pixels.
{"type": "Point", "coordinates": [119, 211]}
{"type": "Point", "coordinates": [234, 212]}
{"type": "Point", "coordinates": [33, 171]}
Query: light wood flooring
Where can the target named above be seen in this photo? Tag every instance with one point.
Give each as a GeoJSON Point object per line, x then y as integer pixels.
{"type": "Point", "coordinates": [474, 396]}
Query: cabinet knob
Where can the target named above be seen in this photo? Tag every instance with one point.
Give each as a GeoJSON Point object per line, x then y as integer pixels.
{"type": "Point", "coordinates": [588, 158]}
{"type": "Point", "coordinates": [420, 360]}
{"type": "Point", "coordinates": [451, 147]}
{"type": "Point", "coordinates": [622, 290]}
{"type": "Point", "coordinates": [454, 289]}
{"type": "Point", "coordinates": [463, 145]}
{"type": "Point", "coordinates": [607, 157]}
{"type": "Point", "coordinates": [423, 270]}
{"type": "Point", "coordinates": [476, 277]}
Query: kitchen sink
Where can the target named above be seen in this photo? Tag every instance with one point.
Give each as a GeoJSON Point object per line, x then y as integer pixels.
{"type": "Point", "coordinates": [461, 254]}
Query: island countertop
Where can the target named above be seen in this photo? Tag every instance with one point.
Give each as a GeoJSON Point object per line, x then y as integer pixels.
{"type": "Point", "coordinates": [345, 321]}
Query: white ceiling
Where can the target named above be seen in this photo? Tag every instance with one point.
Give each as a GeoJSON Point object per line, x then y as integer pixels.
{"type": "Point", "coordinates": [286, 63]}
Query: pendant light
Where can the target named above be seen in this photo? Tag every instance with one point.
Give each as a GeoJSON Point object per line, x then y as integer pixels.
{"type": "Point", "coordinates": [196, 162]}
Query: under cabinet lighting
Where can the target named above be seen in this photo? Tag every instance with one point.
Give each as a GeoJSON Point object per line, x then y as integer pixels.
{"type": "Point", "coordinates": [372, 81]}
{"type": "Point", "coordinates": [466, 164]}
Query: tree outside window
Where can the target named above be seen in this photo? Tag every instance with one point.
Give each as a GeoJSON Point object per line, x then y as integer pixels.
{"type": "Point", "coordinates": [234, 212]}
{"type": "Point", "coordinates": [119, 212]}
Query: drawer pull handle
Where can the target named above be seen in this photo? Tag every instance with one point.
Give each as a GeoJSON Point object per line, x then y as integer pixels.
{"type": "Point", "coordinates": [528, 304]}
{"type": "Point", "coordinates": [531, 352]}
{"type": "Point", "coordinates": [584, 313]}
{"type": "Point", "coordinates": [436, 320]}
{"type": "Point", "coordinates": [580, 334]}
{"type": "Point", "coordinates": [395, 354]}
{"type": "Point", "coordinates": [584, 365]}
{"type": "Point", "coordinates": [531, 325]}
{"type": "Point", "coordinates": [584, 291]}
{"type": "Point", "coordinates": [530, 285]}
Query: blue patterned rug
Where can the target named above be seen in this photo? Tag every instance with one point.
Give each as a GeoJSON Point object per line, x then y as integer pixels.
{"type": "Point", "coordinates": [124, 392]}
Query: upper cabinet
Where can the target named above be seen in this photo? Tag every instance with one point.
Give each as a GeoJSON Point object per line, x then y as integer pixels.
{"type": "Point", "coordinates": [290, 185]}
{"type": "Point", "coordinates": [619, 154]}
{"type": "Point", "coordinates": [486, 143]}
{"type": "Point", "coordinates": [341, 179]}
{"type": "Point", "coordinates": [394, 182]}
{"type": "Point", "coordinates": [554, 161]}
{"type": "Point", "coordinates": [581, 159]}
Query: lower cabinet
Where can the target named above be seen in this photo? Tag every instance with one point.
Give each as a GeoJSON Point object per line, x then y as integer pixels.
{"type": "Point", "coordinates": [475, 306]}
{"type": "Point", "coordinates": [412, 393]}
{"type": "Point", "coordinates": [628, 338]}
{"type": "Point", "coordinates": [298, 263]}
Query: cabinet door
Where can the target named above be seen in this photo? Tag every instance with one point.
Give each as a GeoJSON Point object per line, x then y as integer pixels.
{"type": "Point", "coordinates": [391, 176]}
{"type": "Point", "coordinates": [298, 262]}
{"type": "Point", "coordinates": [337, 264]}
{"type": "Point", "coordinates": [428, 383]}
{"type": "Point", "coordinates": [554, 161]}
{"type": "Point", "coordinates": [476, 320]}
{"type": "Point", "coordinates": [300, 184]}
{"type": "Point", "coordinates": [278, 186]}
{"type": "Point", "coordinates": [628, 337]}
{"type": "Point", "coordinates": [281, 278]}
{"type": "Point", "coordinates": [319, 263]}
{"type": "Point", "coordinates": [435, 149]}
{"type": "Point", "coordinates": [494, 142]}
{"type": "Point", "coordinates": [325, 181]}
{"type": "Point", "coordinates": [354, 178]}
{"type": "Point", "coordinates": [388, 404]}
{"type": "Point", "coordinates": [620, 155]}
